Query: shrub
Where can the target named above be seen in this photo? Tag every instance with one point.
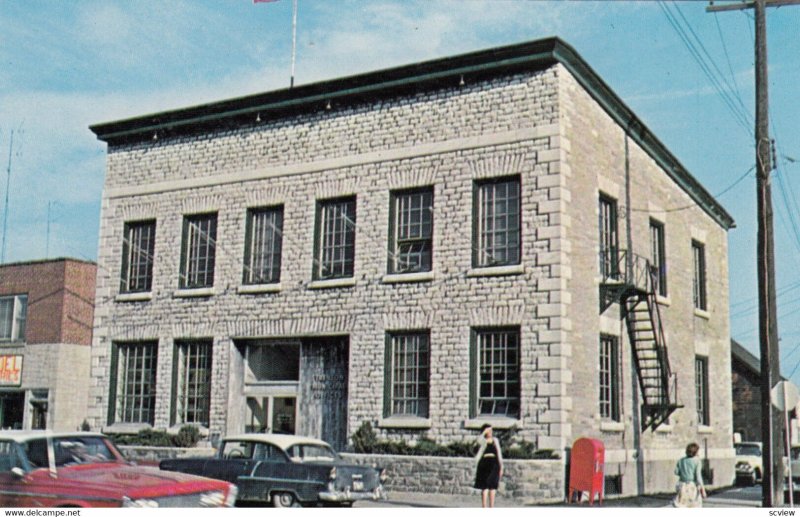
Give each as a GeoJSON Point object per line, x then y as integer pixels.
{"type": "Point", "coordinates": [365, 439]}
{"type": "Point", "coordinates": [187, 436]}
{"type": "Point", "coordinates": [85, 425]}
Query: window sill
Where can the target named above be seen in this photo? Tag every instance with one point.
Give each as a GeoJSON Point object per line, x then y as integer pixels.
{"type": "Point", "coordinates": [332, 283]}
{"type": "Point", "coordinates": [404, 422]}
{"type": "Point", "coordinates": [134, 297]}
{"type": "Point", "coordinates": [516, 269]}
{"type": "Point", "coordinates": [664, 428]}
{"type": "Point", "coordinates": [612, 427]}
{"type": "Point", "coordinates": [12, 343]}
{"type": "Point", "coordinates": [200, 292]}
{"type": "Point", "coordinates": [700, 313]}
{"type": "Point", "coordinates": [705, 429]}
{"type": "Point", "coordinates": [118, 428]}
{"type": "Point", "coordinates": [397, 278]}
{"type": "Point", "coordinates": [498, 422]}
{"type": "Point", "coordinates": [259, 288]}
{"type": "Point", "coordinates": [663, 300]}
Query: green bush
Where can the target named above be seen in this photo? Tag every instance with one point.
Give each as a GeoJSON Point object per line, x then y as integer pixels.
{"type": "Point", "coordinates": [187, 436]}
{"type": "Point", "coordinates": [366, 441]}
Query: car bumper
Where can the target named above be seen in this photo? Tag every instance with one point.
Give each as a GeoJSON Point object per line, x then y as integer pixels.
{"type": "Point", "coordinates": [339, 496]}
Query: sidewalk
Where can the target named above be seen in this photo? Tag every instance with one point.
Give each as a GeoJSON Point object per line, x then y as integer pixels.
{"type": "Point", "coordinates": [429, 500]}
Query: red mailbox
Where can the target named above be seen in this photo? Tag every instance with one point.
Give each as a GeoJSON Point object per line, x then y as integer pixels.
{"type": "Point", "coordinates": [587, 463]}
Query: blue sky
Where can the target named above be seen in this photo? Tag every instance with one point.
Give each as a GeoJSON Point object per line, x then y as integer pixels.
{"type": "Point", "coordinates": [66, 65]}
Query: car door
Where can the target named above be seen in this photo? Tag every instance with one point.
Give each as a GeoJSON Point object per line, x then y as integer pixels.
{"type": "Point", "coordinates": [11, 486]}
{"type": "Point", "coordinates": [235, 458]}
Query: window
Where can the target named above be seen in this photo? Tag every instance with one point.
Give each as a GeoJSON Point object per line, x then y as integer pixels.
{"type": "Point", "coordinates": [133, 383]}
{"type": "Point", "coordinates": [496, 223]}
{"type": "Point", "coordinates": [495, 367]}
{"type": "Point", "coordinates": [198, 251]}
{"type": "Point", "coordinates": [407, 374]}
{"type": "Point", "coordinates": [609, 238]}
{"type": "Point", "coordinates": [609, 378]}
{"type": "Point", "coordinates": [138, 248]}
{"type": "Point", "coordinates": [658, 257]}
{"type": "Point", "coordinates": [13, 313]}
{"type": "Point", "coordinates": [699, 283]}
{"type": "Point", "coordinates": [701, 389]}
{"type": "Point", "coordinates": [335, 238]}
{"type": "Point", "coordinates": [191, 382]}
{"type": "Point", "coordinates": [262, 252]}
{"type": "Point", "coordinates": [411, 231]}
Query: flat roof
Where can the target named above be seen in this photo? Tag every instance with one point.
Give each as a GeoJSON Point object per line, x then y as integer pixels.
{"type": "Point", "coordinates": [408, 79]}
{"type": "Point", "coordinates": [35, 262]}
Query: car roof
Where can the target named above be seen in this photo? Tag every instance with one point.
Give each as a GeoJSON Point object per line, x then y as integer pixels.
{"type": "Point", "coordinates": [284, 441]}
{"type": "Point", "coordinates": [24, 436]}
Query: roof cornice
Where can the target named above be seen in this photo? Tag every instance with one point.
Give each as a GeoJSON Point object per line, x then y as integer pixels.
{"type": "Point", "coordinates": [533, 55]}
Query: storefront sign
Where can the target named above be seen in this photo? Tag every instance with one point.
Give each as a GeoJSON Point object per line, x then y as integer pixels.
{"type": "Point", "coordinates": [10, 370]}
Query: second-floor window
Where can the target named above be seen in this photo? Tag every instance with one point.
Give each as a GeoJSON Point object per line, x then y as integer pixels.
{"type": "Point", "coordinates": [609, 238]}
{"type": "Point", "coordinates": [699, 278]}
{"type": "Point", "coordinates": [496, 238]}
{"type": "Point", "coordinates": [262, 253]}
{"type": "Point", "coordinates": [13, 315]}
{"type": "Point", "coordinates": [138, 249]}
{"type": "Point", "coordinates": [411, 231]}
{"type": "Point", "coordinates": [658, 256]}
{"type": "Point", "coordinates": [198, 251]}
{"type": "Point", "coordinates": [335, 239]}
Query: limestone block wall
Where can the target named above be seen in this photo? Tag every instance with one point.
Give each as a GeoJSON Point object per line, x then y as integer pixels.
{"type": "Point", "coordinates": [595, 161]}
{"type": "Point", "coordinates": [446, 139]}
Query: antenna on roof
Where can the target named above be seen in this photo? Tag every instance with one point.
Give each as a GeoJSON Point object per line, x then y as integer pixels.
{"type": "Point", "coordinates": [5, 205]}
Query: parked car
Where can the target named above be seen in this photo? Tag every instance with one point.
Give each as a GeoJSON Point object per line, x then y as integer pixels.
{"type": "Point", "coordinates": [45, 469]}
{"type": "Point", "coordinates": [795, 465]}
{"type": "Point", "coordinates": [748, 463]}
{"type": "Point", "coordinates": [286, 470]}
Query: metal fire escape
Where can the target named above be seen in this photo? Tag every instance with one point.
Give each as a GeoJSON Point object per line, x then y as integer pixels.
{"type": "Point", "coordinates": [631, 281]}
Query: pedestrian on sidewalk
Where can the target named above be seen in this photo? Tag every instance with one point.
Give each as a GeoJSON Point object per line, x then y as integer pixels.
{"type": "Point", "coordinates": [690, 490]}
{"type": "Point", "coordinates": [489, 469]}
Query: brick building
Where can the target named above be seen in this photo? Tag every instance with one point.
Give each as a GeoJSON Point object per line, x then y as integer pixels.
{"type": "Point", "coordinates": [46, 315]}
{"type": "Point", "coordinates": [427, 248]}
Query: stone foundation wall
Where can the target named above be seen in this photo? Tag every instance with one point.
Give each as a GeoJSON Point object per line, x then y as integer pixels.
{"type": "Point", "coordinates": [525, 481]}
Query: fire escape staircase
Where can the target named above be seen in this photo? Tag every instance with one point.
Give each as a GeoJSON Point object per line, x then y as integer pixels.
{"type": "Point", "coordinates": [632, 282]}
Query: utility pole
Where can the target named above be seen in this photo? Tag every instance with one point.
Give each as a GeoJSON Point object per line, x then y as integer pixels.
{"type": "Point", "coordinates": [5, 205]}
{"type": "Point", "coordinates": [772, 479]}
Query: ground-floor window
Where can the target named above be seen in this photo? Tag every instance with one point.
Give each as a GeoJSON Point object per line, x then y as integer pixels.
{"type": "Point", "coordinates": [407, 374]}
{"type": "Point", "coordinates": [495, 372]}
{"type": "Point", "coordinates": [192, 382]}
{"type": "Point", "coordinates": [12, 409]}
{"type": "Point", "coordinates": [609, 378]}
{"type": "Point", "coordinates": [39, 405]}
{"type": "Point", "coordinates": [133, 383]}
{"type": "Point", "coordinates": [701, 389]}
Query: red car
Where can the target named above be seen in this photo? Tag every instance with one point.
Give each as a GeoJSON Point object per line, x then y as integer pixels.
{"type": "Point", "coordinates": [46, 469]}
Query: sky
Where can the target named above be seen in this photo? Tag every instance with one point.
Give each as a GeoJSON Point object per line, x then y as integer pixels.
{"type": "Point", "coordinates": [66, 65]}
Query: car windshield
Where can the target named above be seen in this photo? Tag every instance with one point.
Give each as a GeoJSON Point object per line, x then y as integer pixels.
{"type": "Point", "coordinates": [747, 449]}
{"type": "Point", "coordinates": [311, 452]}
{"type": "Point", "coordinates": [69, 451]}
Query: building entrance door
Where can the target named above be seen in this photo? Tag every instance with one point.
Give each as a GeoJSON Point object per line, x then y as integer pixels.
{"type": "Point", "coordinates": [271, 414]}
{"type": "Point", "coordinates": [323, 389]}
{"type": "Point", "coordinates": [271, 386]}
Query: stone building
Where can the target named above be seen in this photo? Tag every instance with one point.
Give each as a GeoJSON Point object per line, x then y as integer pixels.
{"type": "Point", "coordinates": [426, 248]}
{"type": "Point", "coordinates": [46, 313]}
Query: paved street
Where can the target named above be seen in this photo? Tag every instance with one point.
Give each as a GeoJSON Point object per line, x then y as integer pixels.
{"type": "Point", "coordinates": [732, 497]}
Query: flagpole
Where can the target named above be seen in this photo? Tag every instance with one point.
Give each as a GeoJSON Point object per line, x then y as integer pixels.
{"type": "Point", "coordinates": [294, 39]}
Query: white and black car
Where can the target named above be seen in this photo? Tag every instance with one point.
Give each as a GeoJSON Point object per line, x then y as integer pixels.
{"type": "Point", "coordinates": [286, 470]}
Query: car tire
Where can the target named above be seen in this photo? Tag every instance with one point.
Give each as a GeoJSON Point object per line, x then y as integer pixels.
{"type": "Point", "coordinates": [284, 500]}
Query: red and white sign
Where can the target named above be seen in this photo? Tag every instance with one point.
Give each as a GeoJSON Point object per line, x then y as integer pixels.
{"type": "Point", "coordinates": [10, 370]}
